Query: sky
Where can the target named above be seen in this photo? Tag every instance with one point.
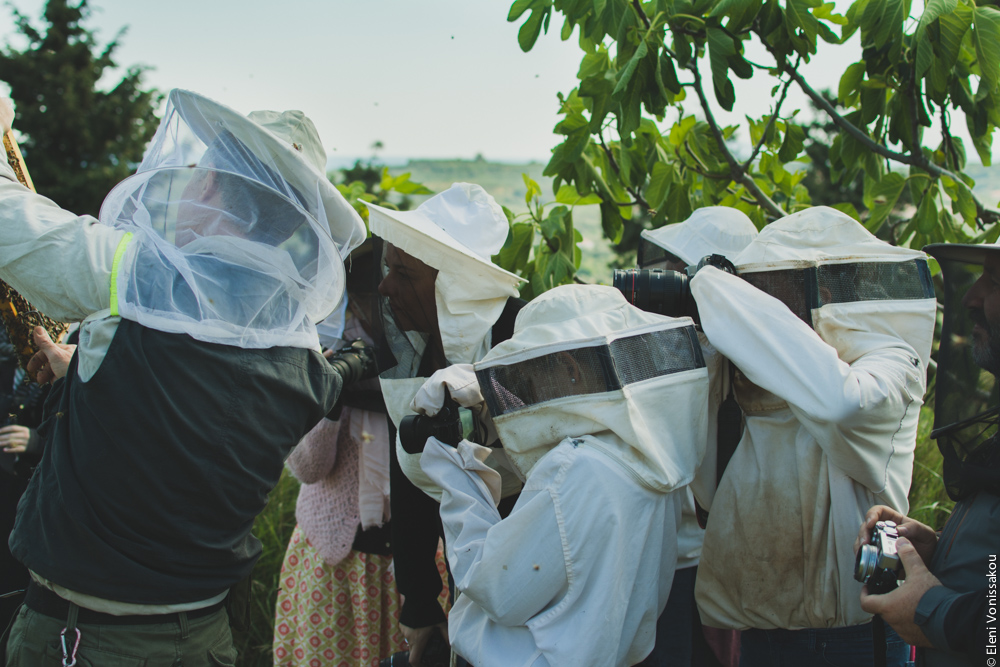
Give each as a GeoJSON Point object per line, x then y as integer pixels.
{"type": "Point", "coordinates": [428, 79]}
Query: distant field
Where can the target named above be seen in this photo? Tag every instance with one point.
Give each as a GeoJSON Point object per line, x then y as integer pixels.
{"type": "Point", "coordinates": [504, 182]}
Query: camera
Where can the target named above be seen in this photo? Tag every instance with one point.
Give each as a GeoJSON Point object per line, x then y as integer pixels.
{"type": "Point", "coordinates": [665, 292]}
{"type": "Point", "coordinates": [877, 564]}
{"type": "Point", "coordinates": [354, 362]}
{"type": "Point", "coordinates": [446, 426]}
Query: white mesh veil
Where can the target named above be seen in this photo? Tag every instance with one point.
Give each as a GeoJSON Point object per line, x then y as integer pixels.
{"type": "Point", "coordinates": [237, 233]}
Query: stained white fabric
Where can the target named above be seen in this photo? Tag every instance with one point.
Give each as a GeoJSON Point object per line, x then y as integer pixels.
{"type": "Point", "coordinates": [577, 574]}
{"type": "Point", "coordinates": [831, 419]}
{"type": "Point", "coordinates": [709, 230]}
{"type": "Point", "coordinates": [238, 233]}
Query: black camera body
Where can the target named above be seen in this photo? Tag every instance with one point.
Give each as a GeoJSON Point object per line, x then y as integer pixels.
{"type": "Point", "coordinates": [665, 292]}
{"type": "Point", "coordinates": [354, 362]}
{"type": "Point", "coordinates": [446, 426]}
{"type": "Point", "coordinates": [878, 564]}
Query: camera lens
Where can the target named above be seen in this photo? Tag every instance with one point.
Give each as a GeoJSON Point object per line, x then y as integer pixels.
{"type": "Point", "coordinates": [864, 563]}
{"type": "Point", "coordinates": [654, 290]}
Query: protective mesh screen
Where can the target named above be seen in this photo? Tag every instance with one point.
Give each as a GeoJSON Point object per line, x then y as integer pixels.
{"type": "Point", "coordinates": [804, 289]}
{"type": "Point", "coordinates": [793, 287]}
{"type": "Point", "coordinates": [652, 256]}
{"type": "Point", "coordinates": [874, 281]}
{"type": "Point", "coordinates": [589, 370]}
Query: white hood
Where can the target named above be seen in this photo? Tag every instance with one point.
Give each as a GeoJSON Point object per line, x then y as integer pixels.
{"type": "Point", "coordinates": [456, 232]}
{"type": "Point", "coordinates": [625, 406]}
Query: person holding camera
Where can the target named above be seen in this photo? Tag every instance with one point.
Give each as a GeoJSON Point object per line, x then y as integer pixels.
{"type": "Point", "coordinates": [443, 302]}
{"type": "Point", "coordinates": [681, 639]}
{"type": "Point", "coordinates": [198, 369]}
{"type": "Point", "coordinates": [579, 571]}
{"type": "Point", "coordinates": [830, 331]}
{"type": "Point", "coordinates": [943, 604]}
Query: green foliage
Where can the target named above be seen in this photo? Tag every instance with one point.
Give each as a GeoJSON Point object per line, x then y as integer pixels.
{"type": "Point", "coordinates": [556, 257]}
{"type": "Point", "coordinates": [371, 182]}
{"type": "Point", "coordinates": [640, 59]}
{"type": "Point", "coordinates": [78, 141]}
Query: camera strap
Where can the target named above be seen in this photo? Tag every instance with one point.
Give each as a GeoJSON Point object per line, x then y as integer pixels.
{"type": "Point", "coordinates": [878, 642]}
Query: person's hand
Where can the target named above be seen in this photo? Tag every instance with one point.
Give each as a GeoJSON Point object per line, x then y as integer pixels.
{"type": "Point", "coordinates": [461, 382]}
{"type": "Point", "coordinates": [417, 638]}
{"type": "Point", "coordinates": [52, 359]}
{"type": "Point", "coordinates": [14, 439]}
{"type": "Point", "coordinates": [6, 115]}
{"type": "Point", "coordinates": [922, 536]}
{"type": "Point", "coordinates": [899, 607]}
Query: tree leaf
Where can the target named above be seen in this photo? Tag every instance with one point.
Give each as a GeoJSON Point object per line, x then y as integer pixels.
{"type": "Point", "coordinates": [986, 37]}
{"type": "Point", "coordinates": [720, 47]}
{"type": "Point", "coordinates": [626, 74]}
{"type": "Point", "coordinates": [850, 81]}
{"type": "Point", "coordinates": [932, 10]}
{"type": "Point", "coordinates": [659, 181]}
{"type": "Point", "coordinates": [884, 195]}
{"type": "Point", "coordinates": [516, 250]}
{"type": "Point", "coordinates": [568, 195]}
{"type": "Point", "coordinates": [927, 213]}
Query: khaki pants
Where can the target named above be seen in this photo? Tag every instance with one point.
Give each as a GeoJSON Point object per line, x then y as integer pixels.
{"type": "Point", "coordinates": [202, 642]}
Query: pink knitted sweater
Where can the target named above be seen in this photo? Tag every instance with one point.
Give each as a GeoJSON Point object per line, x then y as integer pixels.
{"type": "Point", "coordinates": [326, 461]}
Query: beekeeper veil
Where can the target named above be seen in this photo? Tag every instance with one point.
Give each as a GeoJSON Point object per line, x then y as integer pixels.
{"type": "Point", "coordinates": [965, 395]}
{"type": "Point", "coordinates": [583, 361]}
{"type": "Point", "coordinates": [708, 231]}
{"type": "Point", "coordinates": [237, 235]}
{"type": "Point", "coordinates": [857, 292]}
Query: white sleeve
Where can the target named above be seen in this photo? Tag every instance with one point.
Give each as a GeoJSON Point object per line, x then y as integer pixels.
{"type": "Point", "coordinates": [511, 568]}
{"type": "Point", "coordinates": [852, 411]}
{"type": "Point", "coordinates": [60, 262]}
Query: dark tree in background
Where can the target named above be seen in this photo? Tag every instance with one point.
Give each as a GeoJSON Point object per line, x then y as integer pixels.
{"type": "Point", "coordinates": [78, 141]}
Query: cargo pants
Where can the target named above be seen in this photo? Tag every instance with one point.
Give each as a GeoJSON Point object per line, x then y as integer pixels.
{"type": "Point", "coordinates": [35, 641]}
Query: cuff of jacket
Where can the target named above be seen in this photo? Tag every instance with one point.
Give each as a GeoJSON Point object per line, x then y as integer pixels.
{"type": "Point", "coordinates": [417, 613]}
{"type": "Point", "coordinates": [931, 612]}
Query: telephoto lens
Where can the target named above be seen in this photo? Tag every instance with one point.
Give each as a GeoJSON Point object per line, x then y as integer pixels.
{"type": "Point", "coordinates": [656, 291]}
{"type": "Point", "coordinates": [354, 362]}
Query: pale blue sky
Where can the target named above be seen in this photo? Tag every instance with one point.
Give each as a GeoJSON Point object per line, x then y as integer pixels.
{"type": "Point", "coordinates": [435, 78]}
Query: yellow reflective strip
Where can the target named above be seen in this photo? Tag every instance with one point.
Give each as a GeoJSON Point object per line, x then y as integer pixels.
{"type": "Point", "coordinates": [119, 253]}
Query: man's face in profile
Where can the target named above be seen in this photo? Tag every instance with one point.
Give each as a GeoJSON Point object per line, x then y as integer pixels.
{"type": "Point", "coordinates": [983, 302]}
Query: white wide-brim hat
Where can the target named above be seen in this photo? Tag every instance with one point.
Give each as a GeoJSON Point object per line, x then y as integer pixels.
{"type": "Point", "coordinates": [463, 224]}
{"type": "Point", "coordinates": [708, 231]}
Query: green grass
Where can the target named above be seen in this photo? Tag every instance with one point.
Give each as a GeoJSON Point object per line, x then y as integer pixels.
{"type": "Point", "coordinates": [273, 528]}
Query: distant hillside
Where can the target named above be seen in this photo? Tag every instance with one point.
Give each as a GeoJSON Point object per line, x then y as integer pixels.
{"type": "Point", "coordinates": [505, 183]}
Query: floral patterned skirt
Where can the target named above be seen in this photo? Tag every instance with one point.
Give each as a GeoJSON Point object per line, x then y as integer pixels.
{"type": "Point", "coordinates": [345, 615]}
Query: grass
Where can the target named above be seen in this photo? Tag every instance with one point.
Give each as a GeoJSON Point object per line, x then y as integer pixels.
{"type": "Point", "coordinates": [273, 528]}
{"type": "Point", "coordinates": [929, 501]}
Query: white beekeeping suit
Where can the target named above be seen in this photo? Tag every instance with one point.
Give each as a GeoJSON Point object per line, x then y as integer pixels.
{"type": "Point", "coordinates": [602, 408]}
{"type": "Point", "coordinates": [831, 331]}
{"type": "Point", "coordinates": [712, 230]}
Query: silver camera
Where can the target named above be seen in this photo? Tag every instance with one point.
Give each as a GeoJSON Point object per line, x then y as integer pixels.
{"type": "Point", "coordinates": [877, 564]}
